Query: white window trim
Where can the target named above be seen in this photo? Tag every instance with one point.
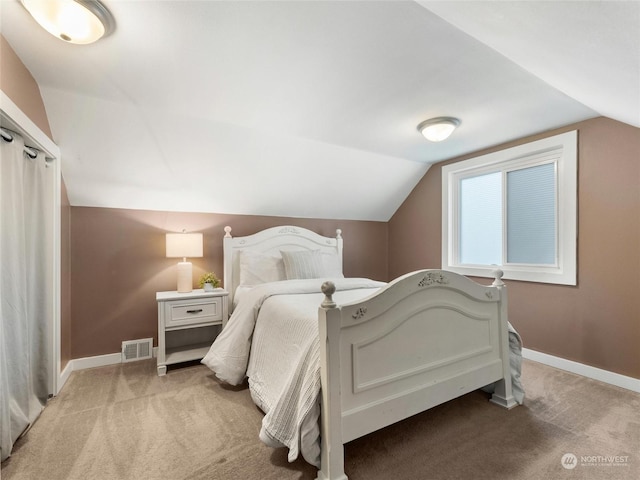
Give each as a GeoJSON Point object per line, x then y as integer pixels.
{"type": "Point", "coordinates": [565, 270]}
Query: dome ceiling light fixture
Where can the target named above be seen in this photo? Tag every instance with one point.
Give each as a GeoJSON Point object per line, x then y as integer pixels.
{"type": "Point", "coordinates": [438, 129]}
{"type": "Point", "coordinates": [74, 21]}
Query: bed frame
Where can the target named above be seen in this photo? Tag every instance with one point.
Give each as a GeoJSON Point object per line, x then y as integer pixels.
{"type": "Point", "coordinates": [428, 337]}
{"type": "Point", "coordinates": [270, 242]}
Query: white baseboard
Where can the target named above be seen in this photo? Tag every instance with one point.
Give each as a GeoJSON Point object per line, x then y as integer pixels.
{"type": "Point", "coordinates": [86, 362]}
{"type": "Point", "coordinates": [97, 361]}
{"type": "Point", "coordinates": [91, 362]}
{"type": "Point", "coordinates": [594, 373]}
{"type": "Point", "coordinates": [64, 375]}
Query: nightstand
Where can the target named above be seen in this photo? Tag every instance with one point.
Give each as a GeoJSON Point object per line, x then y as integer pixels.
{"type": "Point", "coordinates": [188, 323]}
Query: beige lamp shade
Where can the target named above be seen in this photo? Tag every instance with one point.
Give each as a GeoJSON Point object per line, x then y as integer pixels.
{"type": "Point", "coordinates": [183, 245]}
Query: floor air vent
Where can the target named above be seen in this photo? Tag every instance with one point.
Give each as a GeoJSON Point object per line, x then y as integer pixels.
{"type": "Point", "coordinates": [133, 350]}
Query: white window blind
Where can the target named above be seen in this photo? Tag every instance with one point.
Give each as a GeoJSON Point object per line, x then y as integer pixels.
{"type": "Point", "coordinates": [531, 215]}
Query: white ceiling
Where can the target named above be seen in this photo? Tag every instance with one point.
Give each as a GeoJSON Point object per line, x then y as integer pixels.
{"type": "Point", "coordinates": [309, 108]}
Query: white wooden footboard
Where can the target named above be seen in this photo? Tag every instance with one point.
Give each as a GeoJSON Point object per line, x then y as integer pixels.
{"type": "Point", "coordinates": [428, 337]}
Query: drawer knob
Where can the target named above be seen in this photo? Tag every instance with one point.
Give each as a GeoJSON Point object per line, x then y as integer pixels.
{"type": "Point", "coordinates": [194, 311]}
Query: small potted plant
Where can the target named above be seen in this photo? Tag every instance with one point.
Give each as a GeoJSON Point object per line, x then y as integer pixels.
{"type": "Point", "coordinates": [209, 281]}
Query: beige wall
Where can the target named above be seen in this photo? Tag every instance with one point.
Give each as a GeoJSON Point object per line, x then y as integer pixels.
{"type": "Point", "coordinates": [119, 264]}
{"type": "Point", "coordinates": [597, 322]}
{"type": "Point", "coordinates": [20, 86]}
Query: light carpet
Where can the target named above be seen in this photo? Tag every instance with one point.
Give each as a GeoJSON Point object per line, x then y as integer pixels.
{"type": "Point", "coordinates": [124, 422]}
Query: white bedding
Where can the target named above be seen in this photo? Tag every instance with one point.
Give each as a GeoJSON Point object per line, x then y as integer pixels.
{"type": "Point", "coordinates": [285, 381]}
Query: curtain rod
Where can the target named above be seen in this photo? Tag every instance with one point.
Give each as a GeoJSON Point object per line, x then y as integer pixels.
{"type": "Point", "coordinates": [7, 136]}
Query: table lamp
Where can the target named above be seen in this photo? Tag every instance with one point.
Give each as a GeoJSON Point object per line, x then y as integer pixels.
{"type": "Point", "coordinates": [184, 245]}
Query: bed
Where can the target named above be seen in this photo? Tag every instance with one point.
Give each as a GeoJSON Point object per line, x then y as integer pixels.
{"type": "Point", "coordinates": [330, 359]}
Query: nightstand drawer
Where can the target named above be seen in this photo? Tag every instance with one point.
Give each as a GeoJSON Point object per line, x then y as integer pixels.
{"type": "Point", "coordinates": [194, 313]}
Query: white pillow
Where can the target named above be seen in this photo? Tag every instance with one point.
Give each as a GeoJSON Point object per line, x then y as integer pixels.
{"type": "Point", "coordinates": [332, 266]}
{"type": "Point", "coordinates": [257, 268]}
{"type": "Point", "coordinates": [303, 264]}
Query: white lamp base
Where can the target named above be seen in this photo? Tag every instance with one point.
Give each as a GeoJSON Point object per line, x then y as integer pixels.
{"type": "Point", "coordinates": [185, 277]}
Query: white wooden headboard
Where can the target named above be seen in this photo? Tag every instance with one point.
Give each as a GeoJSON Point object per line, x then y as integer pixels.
{"type": "Point", "coordinates": [271, 241]}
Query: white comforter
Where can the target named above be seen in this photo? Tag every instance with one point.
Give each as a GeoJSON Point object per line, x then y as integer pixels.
{"type": "Point", "coordinates": [285, 381]}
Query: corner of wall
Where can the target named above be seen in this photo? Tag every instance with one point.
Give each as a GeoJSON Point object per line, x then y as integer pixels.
{"type": "Point", "coordinates": [21, 87]}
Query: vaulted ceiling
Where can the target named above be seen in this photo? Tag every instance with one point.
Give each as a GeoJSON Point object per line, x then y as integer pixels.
{"type": "Point", "coordinates": [310, 108]}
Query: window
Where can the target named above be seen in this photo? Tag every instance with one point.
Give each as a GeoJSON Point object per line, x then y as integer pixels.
{"type": "Point", "coordinates": [516, 209]}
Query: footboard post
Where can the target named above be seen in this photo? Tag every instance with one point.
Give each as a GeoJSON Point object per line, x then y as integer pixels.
{"type": "Point", "coordinates": [332, 449]}
{"type": "Point", "coordinates": [503, 394]}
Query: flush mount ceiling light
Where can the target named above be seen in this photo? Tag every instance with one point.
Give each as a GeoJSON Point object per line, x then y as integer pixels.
{"type": "Point", "coordinates": [438, 129]}
{"type": "Point", "coordinates": [74, 21]}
